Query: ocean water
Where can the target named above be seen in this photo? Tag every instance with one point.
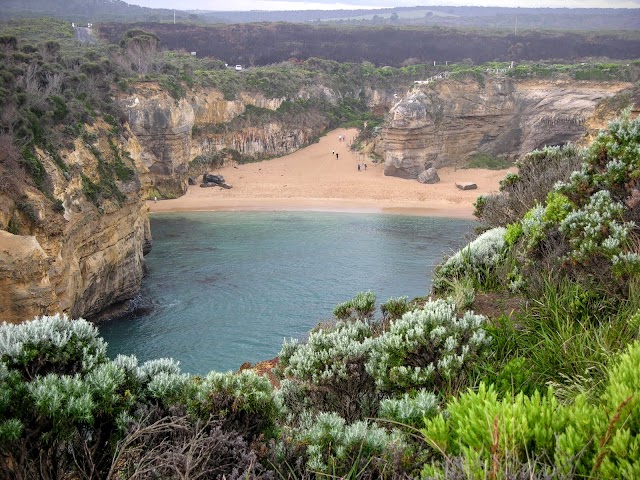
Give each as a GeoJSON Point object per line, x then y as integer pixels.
{"type": "Point", "coordinates": [228, 287]}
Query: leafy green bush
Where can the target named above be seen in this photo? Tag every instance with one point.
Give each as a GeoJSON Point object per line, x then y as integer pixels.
{"type": "Point", "coordinates": [538, 172]}
{"type": "Point", "coordinates": [477, 260]}
{"type": "Point", "coordinates": [355, 450]}
{"type": "Point", "coordinates": [491, 433]}
{"type": "Point", "coordinates": [394, 308]}
{"type": "Point", "coordinates": [429, 348]}
{"type": "Point", "coordinates": [51, 345]}
{"type": "Point", "coordinates": [361, 306]}
{"type": "Point", "coordinates": [328, 373]}
{"type": "Point", "coordinates": [64, 406]}
{"type": "Point", "coordinates": [411, 409]}
{"type": "Point", "coordinates": [244, 403]}
{"type": "Point", "coordinates": [581, 439]}
{"type": "Point", "coordinates": [597, 228]}
{"type": "Point", "coordinates": [34, 167]}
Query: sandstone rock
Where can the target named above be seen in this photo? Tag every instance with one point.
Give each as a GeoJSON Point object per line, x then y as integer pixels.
{"type": "Point", "coordinates": [466, 185]}
{"type": "Point", "coordinates": [168, 134]}
{"type": "Point", "coordinates": [430, 175]}
{"type": "Point", "coordinates": [192, 181]}
{"type": "Point", "coordinates": [447, 121]}
{"type": "Point", "coordinates": [94, 257]}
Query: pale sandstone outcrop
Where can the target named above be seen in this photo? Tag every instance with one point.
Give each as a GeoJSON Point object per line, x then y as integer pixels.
{"type": "Point", "coordinates": [449, 121]}
{"type": "Point", "coordinates": [171, 133]}
{"type": "Point", "coordinates": [83, 260]}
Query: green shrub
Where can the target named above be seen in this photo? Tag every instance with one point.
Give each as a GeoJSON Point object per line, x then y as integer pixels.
{"type": "Point", "coordinates": [513, 233]}
{"type": "Point", "coordinates": [394, 308]}
{"type": "Point", "coordinates": [477, 260]}
{"type": "Point", "coordinates": [620, 436]}
{"type": "Point", "coordinates": [51, 345]}
{"type": "Point", "coordinates": [34, 167]}
{"type": "Point", "coordinates": [244, 403]}
{"type": "Point", "coordinates": [27, 209]}
{"type": "Point", "coordinates": [538, 173]}
{"type": "Point", "coordinates": [362, 306]}
{"type": "Point", "coordinates": [328, 372]}
{"type": "Point", "coordinates": [429, 348]}
{"type": "Point", "coordinates": [487, 432]}
{"type": "Point", "coordinates": [596, 229]}
{"type": "Point", "coordinates": [337, 449]}
{"type": "Point", "coordinates": [411, 409]}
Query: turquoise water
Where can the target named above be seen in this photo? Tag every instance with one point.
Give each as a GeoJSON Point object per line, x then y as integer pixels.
{"type": "Point", "coordinates": [228, 287]}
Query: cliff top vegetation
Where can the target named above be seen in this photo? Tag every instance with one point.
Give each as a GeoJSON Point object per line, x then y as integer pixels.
{"type": "Point", "coordinates": [546, 387]}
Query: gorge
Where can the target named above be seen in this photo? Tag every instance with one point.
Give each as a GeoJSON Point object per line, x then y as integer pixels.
{"type": "Point", "coordinates": [90, 257]}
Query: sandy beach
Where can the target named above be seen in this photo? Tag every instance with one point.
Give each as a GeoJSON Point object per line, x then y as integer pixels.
{"type": "Point", "coordinates": [313, 179]}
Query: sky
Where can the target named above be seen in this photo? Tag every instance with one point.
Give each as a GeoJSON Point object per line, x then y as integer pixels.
{"type": "Point", "coordinates": [236, 5]}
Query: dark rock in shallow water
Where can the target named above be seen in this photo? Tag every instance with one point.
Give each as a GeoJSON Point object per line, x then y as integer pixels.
{"type": "Point", "coordinates": [138, 306]}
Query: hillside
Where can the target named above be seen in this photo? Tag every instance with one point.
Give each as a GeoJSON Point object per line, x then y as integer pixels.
{"type": "Point", "coordinates": [598, 19]}
{"type": "Point", "coordinates": [267, 43]}
{"type": "Point", "coordinates": [80, 11]}
{"type": "Point", "coordinates": [602, 19]}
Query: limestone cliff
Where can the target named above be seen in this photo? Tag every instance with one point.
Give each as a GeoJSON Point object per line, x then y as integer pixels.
{"type": "Point", "coordinates": [84, 254]}
{"type": "Point", "coordinates": [449, 121]}
{"type": "Point", "coordinates": [171, 133]}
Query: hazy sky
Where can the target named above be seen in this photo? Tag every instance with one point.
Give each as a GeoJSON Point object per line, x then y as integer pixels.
{"type": "Point", "coordinates": [350, 4]}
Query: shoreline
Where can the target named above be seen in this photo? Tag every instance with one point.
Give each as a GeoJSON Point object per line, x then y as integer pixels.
{"type": "Point", "coordinates": [314, 179]}
{"type": "Point", "coordinates": [314, 205]}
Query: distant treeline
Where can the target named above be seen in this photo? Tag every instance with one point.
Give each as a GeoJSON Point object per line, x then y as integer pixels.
{"type": "Point", "coordinates": [95, 11]}
{"type": "Point", "coordinates": [263, 44]}
{"type": "Point", "coordinates": [486, 17]}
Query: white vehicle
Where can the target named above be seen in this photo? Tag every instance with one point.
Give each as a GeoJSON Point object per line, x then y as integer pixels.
{"type": "Point", "coordinates": [238, 68]}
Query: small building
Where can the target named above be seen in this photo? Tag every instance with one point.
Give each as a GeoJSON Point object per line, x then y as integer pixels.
{"type": "Point", "coordinates": [238, 68]}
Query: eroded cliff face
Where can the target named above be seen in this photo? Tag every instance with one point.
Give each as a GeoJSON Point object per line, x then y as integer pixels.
{"type": "Point", "coordinates": [87, 255]}
{"type": "Point", "coordinates": [171, 133]}
{"type": "Point", "coordinates": [448, 122]}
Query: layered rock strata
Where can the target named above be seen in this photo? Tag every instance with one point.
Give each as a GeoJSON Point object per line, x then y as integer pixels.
{"type": "Point", "coordinates": [79, 261]}
{"type": "Point", "coordinates": [448, 122]}
{"type": "Point", "coordinates": [171, 133]}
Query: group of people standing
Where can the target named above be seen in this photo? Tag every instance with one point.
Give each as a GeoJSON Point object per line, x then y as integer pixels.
{"type": "Point", "coordinates": [343, 138]}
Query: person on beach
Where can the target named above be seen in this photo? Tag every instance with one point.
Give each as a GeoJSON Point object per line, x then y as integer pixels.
{"type": "Point", "coordinates": [358, 167]}
{"type": "Point", "coordinates": [333, 152]}
{"type": "Point", "coordinates": [365, 167]}
{"type": "Point", "coordinates": [336, 155]}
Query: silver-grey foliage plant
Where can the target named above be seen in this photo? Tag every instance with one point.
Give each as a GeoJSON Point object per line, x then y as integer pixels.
{"type": "Point", "coordinates": [427, 348]}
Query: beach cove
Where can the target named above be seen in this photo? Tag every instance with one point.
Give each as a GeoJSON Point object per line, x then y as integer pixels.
{"type": "Point", "coordinates": [313, 179]}
{"type": "Point", "coordinates": [234, 272]}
